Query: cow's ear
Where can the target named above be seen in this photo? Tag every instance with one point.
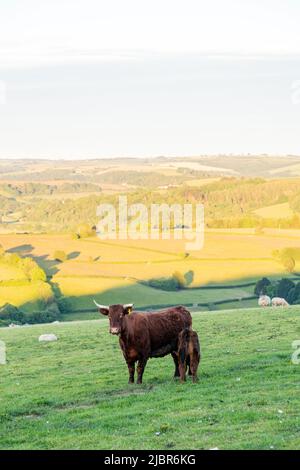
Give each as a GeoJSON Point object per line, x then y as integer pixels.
{"type": "Point", "coordinates": [127, 309]}
{"type": "Point", "coordinates": [104, 309]}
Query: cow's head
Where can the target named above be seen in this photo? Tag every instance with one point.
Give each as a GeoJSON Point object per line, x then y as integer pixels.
{"type": "Point", "coordinates": [116, 314]}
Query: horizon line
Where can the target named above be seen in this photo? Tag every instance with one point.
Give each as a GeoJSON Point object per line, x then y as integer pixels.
{"type": "Point", "coordinates": [154, 157]}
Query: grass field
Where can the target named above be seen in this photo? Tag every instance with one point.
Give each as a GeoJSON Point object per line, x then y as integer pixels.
{"type": "Point", "coordinates": [73, 394]}
{"type": "Point", "coordinates": [142, 296]}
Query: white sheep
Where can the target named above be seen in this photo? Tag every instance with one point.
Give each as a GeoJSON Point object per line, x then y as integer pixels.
{"type": "Point", "coordinates": [279, 302]}
{"type": "Point", "coordinates": [264, 301]}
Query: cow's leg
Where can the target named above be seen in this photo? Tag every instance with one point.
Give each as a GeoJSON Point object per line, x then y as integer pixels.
{"type": "Point", "coordinates": [182, 370]}
{"type": "Point", "coordinates": [131, 370]}
{"type": "Point", "coordinates": [188, 363]}
{"type": "Point", "coordinates": [195, 359]}
{"type": "Point", "coordinates": [182, 361]}
{"type": "Point", "coordinates": [175, 359]}
{"type": "Point", "coordinates": [140, 369]}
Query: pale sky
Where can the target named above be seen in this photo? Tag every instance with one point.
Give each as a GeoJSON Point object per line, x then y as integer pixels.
{"type": "Point", "coordinates": [161, 77]}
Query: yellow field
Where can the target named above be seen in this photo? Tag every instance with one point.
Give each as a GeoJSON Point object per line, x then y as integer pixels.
{"type": "Point", "coordinates": [61, 196]}
{"type": "Point", "coordinates": [201, 182]}
{"type": "Point", "coordinates": [100, 267]}
{"type": "Point", "coordinates": [277, 211]}
{"type": "Point", "coordinates": [205, 272]}
{"type": "Point", "coordinates": [10, 272]}
{"type": "Point", "coordinates": [24, 295]}
{"type": "Point", "coordinates": [82, 286]}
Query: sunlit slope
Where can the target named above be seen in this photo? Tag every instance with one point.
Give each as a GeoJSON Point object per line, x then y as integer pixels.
{"type": "Point", "coordinates": [119, 269]}
{"type": "Point", "coordinates": [276, 211]}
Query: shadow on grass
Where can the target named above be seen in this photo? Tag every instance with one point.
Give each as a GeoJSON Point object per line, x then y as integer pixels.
{"type": "Point", "coordinates": [21, 250]}
{"type": "Point", "coordinates": [48, 265]}
{"type": "Point", "coordinates": [73, 255]}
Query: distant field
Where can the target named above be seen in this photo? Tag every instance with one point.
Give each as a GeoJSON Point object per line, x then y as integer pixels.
{"type": "Point", "coordinates": [197, 183]}
{"type": "Point", "coordinates": [110, 270]}
{"type": "Point", "coordinates": [277, 211]}
{"type": "Point", "coordinates": [197, 165]}
{"type": "Point", "coordinates": [290, 170]}
{"type": "Point", "coordinates": [218, 244]}
{"type": "Point", "coordinates": [73, 393]}
{"type": "Point", "coordinates": [205, 271]}
{"type": "Point", "coordinates": [60, 196]}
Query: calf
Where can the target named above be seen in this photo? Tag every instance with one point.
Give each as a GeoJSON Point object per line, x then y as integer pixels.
{"type": "Point", "coordinates": [188, 353]}
{"type": "Point", "coordinates": [146, 335]}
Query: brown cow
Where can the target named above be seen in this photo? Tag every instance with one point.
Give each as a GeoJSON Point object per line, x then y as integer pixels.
{"type": "Point", "coordinates": [146, 335]}
{"type": "Point", "coordinates": [188, 353]}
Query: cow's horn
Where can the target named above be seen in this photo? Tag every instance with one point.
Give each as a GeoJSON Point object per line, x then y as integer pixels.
{"type": "Point", "coordinates": [127, 305]}
{"type": "Point", "coordinates": [105, 307]}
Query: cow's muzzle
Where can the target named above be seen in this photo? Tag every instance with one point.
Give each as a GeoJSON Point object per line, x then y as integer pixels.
{"type": "Point", "coordinates": [114, 331]}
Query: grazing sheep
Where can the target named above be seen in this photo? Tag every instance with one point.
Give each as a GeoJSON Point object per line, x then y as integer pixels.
{"type": "Point", "coordinates": [264, 301]}
{"type": "Point", "coordinates": [48, 337]}
{"type": "Point", "coordinates": [279, 302]}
